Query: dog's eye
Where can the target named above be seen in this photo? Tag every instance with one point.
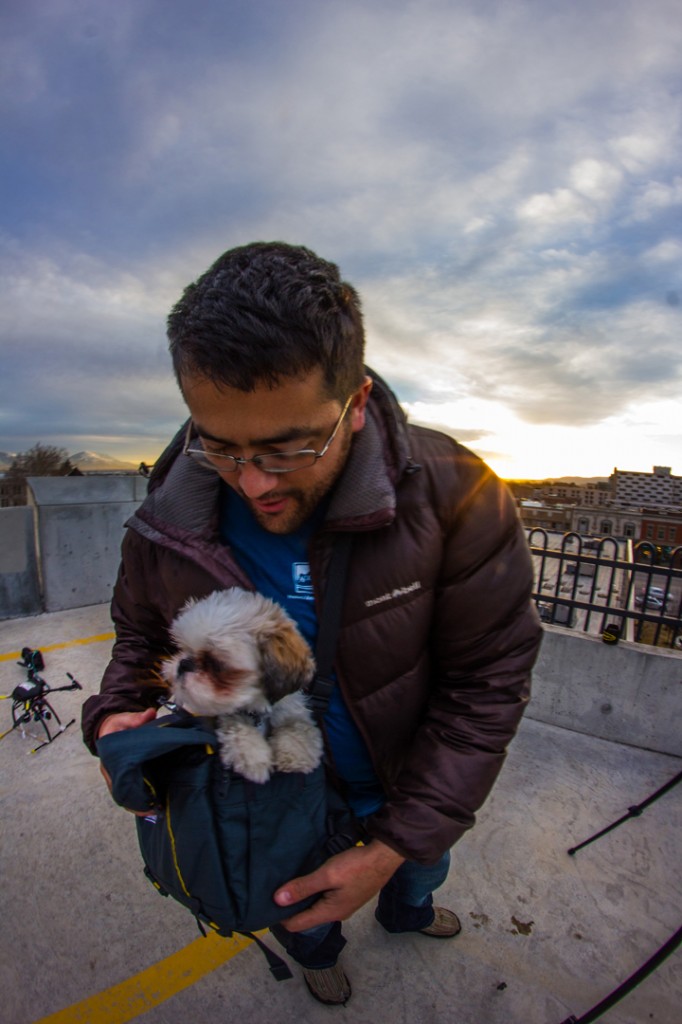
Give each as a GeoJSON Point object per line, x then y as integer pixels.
{"type": "Point", "coordinates": [186, 665]}
{"type": "Point", "coordinates": [211, 664]}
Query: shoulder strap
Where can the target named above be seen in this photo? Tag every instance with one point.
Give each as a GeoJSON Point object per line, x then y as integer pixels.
{"type": "Point", "coordinates": [320, 689]}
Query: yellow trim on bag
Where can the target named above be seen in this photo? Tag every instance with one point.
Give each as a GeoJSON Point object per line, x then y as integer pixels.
{"type": "Point", "coordinates": [149, 784]}
{"type": "Point", "coordinates": [173, 851]}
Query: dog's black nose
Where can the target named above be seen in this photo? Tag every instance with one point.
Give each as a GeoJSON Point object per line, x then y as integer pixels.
{"type": "Point", "coordinates": [186, 665]}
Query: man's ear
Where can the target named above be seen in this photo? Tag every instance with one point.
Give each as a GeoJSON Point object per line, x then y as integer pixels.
{"type": "Point", "coordinates": [359, 404]}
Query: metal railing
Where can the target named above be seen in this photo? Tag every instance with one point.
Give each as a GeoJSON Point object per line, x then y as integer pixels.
{"type": "Point", "coordinates": [595, 583]}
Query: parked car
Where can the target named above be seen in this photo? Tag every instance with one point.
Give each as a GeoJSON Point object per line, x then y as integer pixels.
{"type": "Point", "coordinates": [558, 614]}
{"type": "Point", "coordinates": [655, 597]}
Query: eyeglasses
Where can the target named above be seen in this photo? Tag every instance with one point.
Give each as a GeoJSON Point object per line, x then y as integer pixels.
{"type": "Point", "coordinates": [271, 462]}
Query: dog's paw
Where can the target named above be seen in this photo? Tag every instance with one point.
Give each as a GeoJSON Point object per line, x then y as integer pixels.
{"type": "Point", "coordinates": [256, 766]}
{"type": "Point", "coordinates": [246, 752]}
{"type": "Point", "coordinates": [256, 773]}
{"type": "Point", "coordinates": [296, 747]}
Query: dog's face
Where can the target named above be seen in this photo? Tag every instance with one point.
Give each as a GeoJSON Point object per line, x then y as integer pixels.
{"type": "Point", "coordinates": [237, 651]}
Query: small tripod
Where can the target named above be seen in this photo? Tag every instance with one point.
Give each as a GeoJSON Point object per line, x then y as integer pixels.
{"type": "Point", "coordinates": [633, 812]}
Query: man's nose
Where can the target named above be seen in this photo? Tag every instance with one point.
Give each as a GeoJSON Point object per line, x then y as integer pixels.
{"type": "Point", "coordinates": [254, 482]}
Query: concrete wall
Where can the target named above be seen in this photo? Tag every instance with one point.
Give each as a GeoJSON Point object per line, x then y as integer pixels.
{"type": "Point", "coordinates": [630, 693]}
{"type": "Point", "coordinates": [19, 578]}
{"type": "Point", "coordinates": [79, 533]}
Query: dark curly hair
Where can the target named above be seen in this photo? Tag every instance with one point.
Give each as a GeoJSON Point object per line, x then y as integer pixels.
{"type": "Point", "coordinates": [267, 311]}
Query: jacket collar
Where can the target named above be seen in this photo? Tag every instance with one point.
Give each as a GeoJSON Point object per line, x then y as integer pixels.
{"type": "Point", "coordinates": [184, 497]}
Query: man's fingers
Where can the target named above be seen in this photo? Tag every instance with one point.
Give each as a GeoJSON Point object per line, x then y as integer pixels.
{"type": "Point", "coordinates": [344, 883]}
{"type": "Point", "coordinates": [107, 779]}
{"type": "Point", "coordinates": [334, 905]}
{"type": "Point", "coordinates": [117, 723]}
{"type": "Point", "coordinates": [107, 776]}
{"type": "Point", "coordinates": [125, 720]}
{"type": "Point", "coordinates": [300, 888]}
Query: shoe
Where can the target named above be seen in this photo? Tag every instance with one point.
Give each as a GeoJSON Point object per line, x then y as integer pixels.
{"type": "Point", "coordinates": [445, 924]}
{"type": "Point", "coordinates": [329, 985]}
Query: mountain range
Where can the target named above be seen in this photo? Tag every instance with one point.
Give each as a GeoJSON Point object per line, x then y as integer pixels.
{"type": "Point", "coordinates": [87, 462]}
{"type": "Point", "coordinates": [92, 461]}
{"type": "Point", "coordinates": [95, 462]}
{"type": "Point", "coordinates": [578, 480]}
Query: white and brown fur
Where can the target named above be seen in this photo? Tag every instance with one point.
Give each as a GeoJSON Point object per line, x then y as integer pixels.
{"type": "Point", "coordinates": [241, 658]}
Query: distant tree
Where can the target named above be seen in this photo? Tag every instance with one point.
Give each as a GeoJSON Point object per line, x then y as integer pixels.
{"type": "Point", "coordinates": [41, 460]}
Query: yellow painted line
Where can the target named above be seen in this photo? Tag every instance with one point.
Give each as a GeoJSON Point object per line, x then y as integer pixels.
{"type": "Point", "coordinates": [156, 984]}
{"type": "Point", "coordinates": [13, 655]}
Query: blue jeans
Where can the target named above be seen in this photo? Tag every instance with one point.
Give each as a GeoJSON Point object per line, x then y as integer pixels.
{"type": "Point", "coordinates": [405, 905]}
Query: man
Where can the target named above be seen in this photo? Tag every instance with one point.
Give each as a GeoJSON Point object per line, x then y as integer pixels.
{"type": "Point", "coordinates": [290, 442]}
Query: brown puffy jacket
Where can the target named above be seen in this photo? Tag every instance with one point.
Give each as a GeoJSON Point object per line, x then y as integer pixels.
{"type": "Point", "coordinates": [438, 634]}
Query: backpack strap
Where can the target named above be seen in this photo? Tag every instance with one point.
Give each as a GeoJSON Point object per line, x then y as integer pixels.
{"type": "Point", "coordinates": [278, 968]}
{"type": "Point", "coordinates": [342, 827]}
{"type": "Point", "coordinates": [319, 691]}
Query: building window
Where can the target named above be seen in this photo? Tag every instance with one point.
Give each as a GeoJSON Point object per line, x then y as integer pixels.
{"type": "Point", "coordinates": [629, 530]}
{"type": "Point", "coordinates": [661, 533]}
{"type": "Point", "coordinates": [605, 527]}
{"type": "Point", "coordinates": [649, 532]}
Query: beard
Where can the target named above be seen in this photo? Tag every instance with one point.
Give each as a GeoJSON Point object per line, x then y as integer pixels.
{"type": "Point", "coordinates": [300, 502]}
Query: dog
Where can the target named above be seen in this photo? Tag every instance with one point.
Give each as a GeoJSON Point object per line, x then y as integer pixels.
{"type": "Point", "coordinates": [242, 659]}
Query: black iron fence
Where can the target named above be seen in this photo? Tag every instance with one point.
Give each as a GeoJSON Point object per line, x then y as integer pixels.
{"type": "Point", "coordinates": [606, 587]}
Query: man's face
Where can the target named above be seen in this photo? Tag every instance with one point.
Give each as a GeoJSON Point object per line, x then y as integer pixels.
{"type": "Point", "coordinates": [296, 414]}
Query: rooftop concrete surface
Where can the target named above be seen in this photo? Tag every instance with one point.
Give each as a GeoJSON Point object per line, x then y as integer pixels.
{"type": "Point", "coordinates": [87, 940]}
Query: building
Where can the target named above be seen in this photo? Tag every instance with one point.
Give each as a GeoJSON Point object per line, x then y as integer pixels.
{"type": "Point", "coordinates": [628, 506]}
{"type": "Point", "coordinates": [596, 494]}
{"type": "Point", "coordinates": [664, 529]}
{"type": "Point", "coordinates": [544, 516]}
{"type": "Point", "coordinates": [12, 490]}
{"type": "Point", "coordinates": [657, 488]}
{"type": "Point", "coordinates": [622, 523]}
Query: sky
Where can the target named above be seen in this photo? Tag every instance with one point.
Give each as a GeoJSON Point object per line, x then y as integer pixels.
{"type": "Point", "coordinates": [500, 179]}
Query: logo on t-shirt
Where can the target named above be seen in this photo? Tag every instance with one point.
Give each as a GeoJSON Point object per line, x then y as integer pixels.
{"type": "Point", "coordinates": [303, 584]}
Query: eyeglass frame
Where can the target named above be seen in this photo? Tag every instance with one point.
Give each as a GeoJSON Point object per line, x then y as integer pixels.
{"type": "Point", "coordinates": [234, 462]}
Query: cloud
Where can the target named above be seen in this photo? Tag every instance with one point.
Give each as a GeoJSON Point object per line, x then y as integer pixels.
{"type": "Point", "coordinates": [85, 349]}
{"type": "Point", "coordinates": [500, 181]}
{"type": "Point", "coordinates": [657, 197]}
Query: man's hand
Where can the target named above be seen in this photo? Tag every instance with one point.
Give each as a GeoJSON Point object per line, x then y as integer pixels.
{"type": "Point", "coordinates": [125, 720]}
{"type": "Point", "coordinates": [117, 723]}
{"type": "Point", "coordinates": [345, 883]}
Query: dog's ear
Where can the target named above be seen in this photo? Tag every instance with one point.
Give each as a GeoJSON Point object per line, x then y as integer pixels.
{"type": "Point", "coordinates": [286, 661]}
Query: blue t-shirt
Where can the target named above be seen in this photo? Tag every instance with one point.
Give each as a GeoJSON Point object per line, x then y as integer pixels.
{"type": "Point", "coordinates": [278, 565]}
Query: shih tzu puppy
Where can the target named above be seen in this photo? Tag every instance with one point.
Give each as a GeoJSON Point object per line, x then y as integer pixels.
{"type": "Point", "coordinates": [241, 658]}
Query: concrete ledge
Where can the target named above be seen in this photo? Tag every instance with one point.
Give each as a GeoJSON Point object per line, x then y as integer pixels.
{"type": "Point", "coordinates": [629, 693]}
{"type": "Point", "coordinates": [80, 529]}
{"type": "Point", "coordinates": [87, 490]}
{"type": "Point", "coordinates": [19, 581]}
